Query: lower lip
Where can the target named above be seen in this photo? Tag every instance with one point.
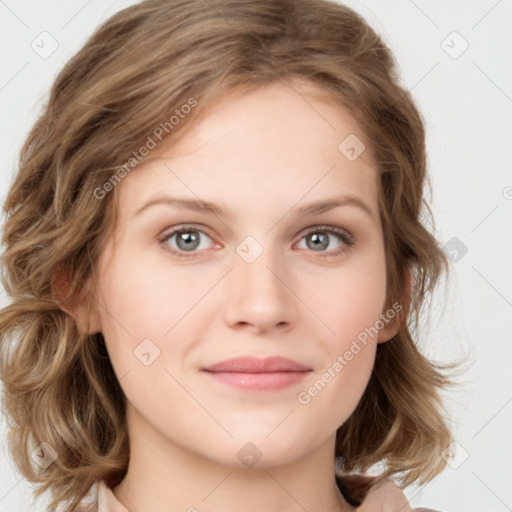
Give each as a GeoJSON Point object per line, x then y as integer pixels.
{"type": "Point", "coordinates": [259, 381]}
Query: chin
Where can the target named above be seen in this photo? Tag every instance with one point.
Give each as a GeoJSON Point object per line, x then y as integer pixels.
{"type": "Point", "coordinates": [257, 451]}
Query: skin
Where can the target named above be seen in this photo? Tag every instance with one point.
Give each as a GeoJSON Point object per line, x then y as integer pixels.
{"type": "Point", "coordinates": [261, 156]}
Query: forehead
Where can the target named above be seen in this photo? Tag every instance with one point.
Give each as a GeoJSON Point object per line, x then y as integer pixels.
{"type": "Point", "coordinates": [272, 146]}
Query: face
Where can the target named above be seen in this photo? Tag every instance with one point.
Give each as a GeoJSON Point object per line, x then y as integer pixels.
{"type": "Point", "coordinates": [259, 273]}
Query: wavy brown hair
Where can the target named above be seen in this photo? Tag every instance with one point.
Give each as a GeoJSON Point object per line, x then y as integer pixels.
{"type": "Point", "coordinates": [131, 76]}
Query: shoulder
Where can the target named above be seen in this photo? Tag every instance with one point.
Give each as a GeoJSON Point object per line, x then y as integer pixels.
{"type": "Point", "coordinates": [99, 498]}
{"type": "Point", "coordinates": [88, 503]}
{"type": "Point", "coordinates": [107, 502]}
{"type": "Point", "coordinates": [374, 493]}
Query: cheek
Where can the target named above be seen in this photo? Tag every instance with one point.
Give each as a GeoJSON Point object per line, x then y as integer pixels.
{"type": "Point", "coordinates": [146, 299]}
{"type": "Point", "coordinates": [349, 300]}
{"type": "Point", "coordinates": [349, 355]}
{"type": "Point", "coordinates": [138, 303]}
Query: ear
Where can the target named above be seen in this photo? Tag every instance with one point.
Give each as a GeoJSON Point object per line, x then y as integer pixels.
{"type": "Point", "coordinates": [75, 306]}
{"type": "Point", "coordinates": [393, 314]}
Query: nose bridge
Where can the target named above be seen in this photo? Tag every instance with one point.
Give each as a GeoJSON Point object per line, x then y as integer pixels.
{"type": "Point", "coordinates": [256, 291]}
{"type": "Point", "coordinates": [256, 264]}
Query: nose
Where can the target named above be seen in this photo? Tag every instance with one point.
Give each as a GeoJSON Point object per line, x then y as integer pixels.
{"type": "Point", "coordinates": [260, 295]}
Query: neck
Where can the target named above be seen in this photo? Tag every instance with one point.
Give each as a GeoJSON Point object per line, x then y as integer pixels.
{"type": "Point", "coordinates": [163, 476]}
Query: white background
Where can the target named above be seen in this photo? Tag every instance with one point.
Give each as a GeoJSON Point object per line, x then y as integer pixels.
{"type": "Point", "coordinates": [466, 101]}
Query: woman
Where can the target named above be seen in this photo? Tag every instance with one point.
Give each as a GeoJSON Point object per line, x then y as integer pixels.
{"type": "Point", "coordinates": [214, 252]}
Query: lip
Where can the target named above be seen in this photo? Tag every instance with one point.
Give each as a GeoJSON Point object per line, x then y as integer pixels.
{"type": "Point", "coordinates": [249, 364]}
{"type": "Point", "coordinates": [255, 374]}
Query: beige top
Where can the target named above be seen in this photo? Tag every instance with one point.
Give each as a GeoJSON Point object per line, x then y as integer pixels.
{"type": "Point", "coordinates": [101, 499]}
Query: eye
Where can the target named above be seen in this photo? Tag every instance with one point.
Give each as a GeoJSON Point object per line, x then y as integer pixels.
{"type": "Point", "coordinates": [186, 239]}
{"type": "Point", "coordinates": [319, 239]}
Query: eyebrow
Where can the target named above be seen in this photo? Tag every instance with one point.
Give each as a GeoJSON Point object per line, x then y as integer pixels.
{"type": "Point", "coordinates": [199, 205]}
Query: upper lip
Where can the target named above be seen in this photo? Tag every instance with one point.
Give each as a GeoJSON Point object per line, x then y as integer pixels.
{"type": "Point", "coordinates": [251, 364]}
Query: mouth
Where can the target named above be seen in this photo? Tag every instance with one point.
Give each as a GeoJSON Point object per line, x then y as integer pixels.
{"type": "Point", "coordinates": [254, 374]}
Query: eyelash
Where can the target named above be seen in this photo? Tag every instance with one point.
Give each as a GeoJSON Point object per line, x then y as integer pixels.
{"type": "Point", "coordinates": [344, 236]}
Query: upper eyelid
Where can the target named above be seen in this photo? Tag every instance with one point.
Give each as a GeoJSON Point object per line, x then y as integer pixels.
{"type": "Point", "coordinates": [183, 227]}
